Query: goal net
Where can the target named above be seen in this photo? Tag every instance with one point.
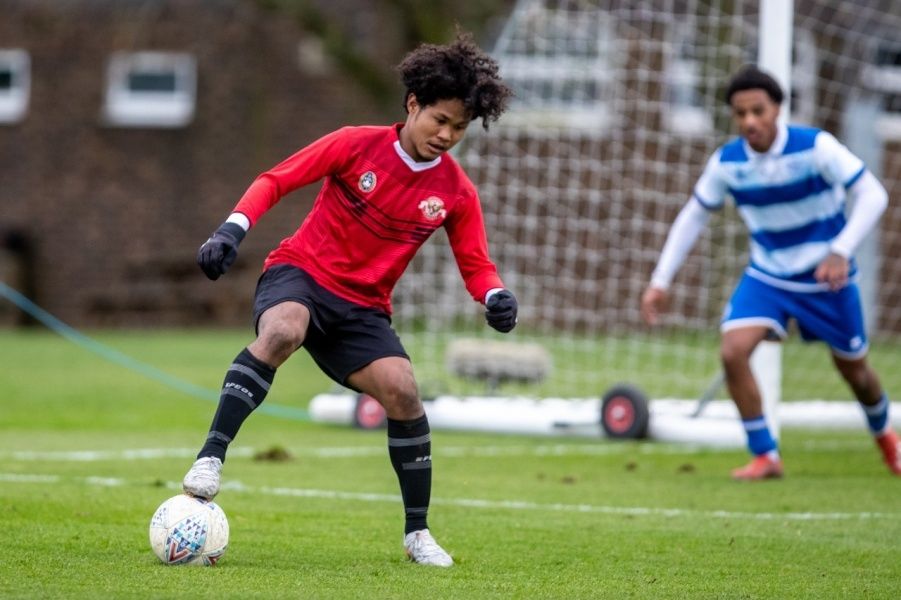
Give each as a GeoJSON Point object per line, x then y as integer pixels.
{"type": "Point", "coordinates": [618, 106]}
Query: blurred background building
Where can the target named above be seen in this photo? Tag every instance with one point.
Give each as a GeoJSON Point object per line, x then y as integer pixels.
{"type": "Point", "coordinates": [129, 128]}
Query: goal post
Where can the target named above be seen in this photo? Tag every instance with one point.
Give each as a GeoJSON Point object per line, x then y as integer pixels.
{"type": "Point", "coordinates": [617, 108]}
{"type": "Point", "coordinates": [774, 54]}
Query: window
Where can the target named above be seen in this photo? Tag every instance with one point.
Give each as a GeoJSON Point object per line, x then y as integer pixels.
{"type": "Point", "coordinates": [15, 85]}
{"type": "Point", "coordinates": [685, 112]}
{"type": "Point", "coordinates": [802, 107]}
{"type": "Point", "coordinates": [559, 64]}
{"type": "Point", "coordinates": [313, 58]}
{"type": "Point", "coordinates": [150, 89]}
{"type": "Point", "coordinates": [883, 77]}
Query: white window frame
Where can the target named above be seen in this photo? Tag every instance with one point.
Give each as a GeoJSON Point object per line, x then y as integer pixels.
{"type": "Point", "coordinates": [14, 99]}
{"type": "Point", "coordinates": [805, 71]}
{"type": "Point", "coordinates": [886, 80]}
{"type": "Point", "coordinates": [528, 69]}
{"type": "Point", "coordinates": [128, 107]}
{"type": "Point", "coordinates": [682, 77]}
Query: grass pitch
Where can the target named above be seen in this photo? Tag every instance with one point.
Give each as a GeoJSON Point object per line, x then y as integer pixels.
{"type": "Point", "coordinates": [89, 449]}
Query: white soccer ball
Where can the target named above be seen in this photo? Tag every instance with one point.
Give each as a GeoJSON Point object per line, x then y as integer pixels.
{"type": "Point", "coordinates": [186, 530]}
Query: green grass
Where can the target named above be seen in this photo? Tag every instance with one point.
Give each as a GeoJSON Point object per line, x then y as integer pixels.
{"type": "Point", "coordinates": [524, 517]}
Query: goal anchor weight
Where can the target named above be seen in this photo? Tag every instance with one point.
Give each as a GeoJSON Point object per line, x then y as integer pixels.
{"type": "Point", "coordinates": [369, 413]}
{"type": "Point", "coordinates": [624, 412]}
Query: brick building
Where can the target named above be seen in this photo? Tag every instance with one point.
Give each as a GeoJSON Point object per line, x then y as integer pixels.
{"type": "Point", "coordinates": [102, 216]}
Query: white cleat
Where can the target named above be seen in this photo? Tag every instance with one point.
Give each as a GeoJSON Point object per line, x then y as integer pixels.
{"type": "Point", "coordinates": [422, 548]}
{"type": "Point", "coordinates": [202, 480]}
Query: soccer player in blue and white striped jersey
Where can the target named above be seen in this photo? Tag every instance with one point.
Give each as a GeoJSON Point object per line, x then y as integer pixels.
{"type": "Point", "coordinates": [790, 185]}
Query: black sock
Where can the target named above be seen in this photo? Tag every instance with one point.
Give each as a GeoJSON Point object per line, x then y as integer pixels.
{"type": "Point", "coordinates": [410, 449]}
{"type": "Point", "coordinates": [246, 384]}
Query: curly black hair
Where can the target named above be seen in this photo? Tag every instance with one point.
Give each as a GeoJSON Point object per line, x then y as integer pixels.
{"type": "Point", "coordinates": [459, 70]}
{"type": "Point", "coordinates": [749, 77]}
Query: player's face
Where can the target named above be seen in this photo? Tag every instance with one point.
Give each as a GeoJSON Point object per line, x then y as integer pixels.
{"type": "Point", "coordinates": [432, 130]}
{"type": "Point", "coordinates": [755, 114]}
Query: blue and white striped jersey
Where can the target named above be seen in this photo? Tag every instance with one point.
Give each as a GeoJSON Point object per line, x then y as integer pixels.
{"type": "Point", "coordinates": [792, 198]}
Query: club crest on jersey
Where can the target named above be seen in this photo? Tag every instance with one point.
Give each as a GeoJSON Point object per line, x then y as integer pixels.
{"type": "Point", "coordinates": [367, 181]}
{"type": "Point", "coordinates": [433, 208]}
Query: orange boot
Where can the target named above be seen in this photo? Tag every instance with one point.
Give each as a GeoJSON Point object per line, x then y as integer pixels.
{"type": "Point", "coordinates": [762, 467]}
{"type": "Point", "coordinates": [890, 446]}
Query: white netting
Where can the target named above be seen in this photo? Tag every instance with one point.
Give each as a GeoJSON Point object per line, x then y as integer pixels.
{"type": "Point", "coordinates": [618, 106]}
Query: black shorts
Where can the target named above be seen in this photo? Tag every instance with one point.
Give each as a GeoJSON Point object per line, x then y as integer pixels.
{"type": "Point", "coordinates": [343, 337]}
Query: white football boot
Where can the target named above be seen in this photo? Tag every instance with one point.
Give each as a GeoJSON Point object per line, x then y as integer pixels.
{"type": "Point", "coordinates": [422, 548]}
{"type": "Point", "coordinates": [202, 480]}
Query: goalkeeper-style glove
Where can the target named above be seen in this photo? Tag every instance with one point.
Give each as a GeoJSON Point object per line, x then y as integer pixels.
{"type": "Point", "coordinates": [500, 311]}
{"type": "Point", "coordinates": [218, 253]}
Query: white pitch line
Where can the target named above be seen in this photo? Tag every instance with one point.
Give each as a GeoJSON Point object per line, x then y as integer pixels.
{"type": "Point", "coordinates": [24, 478]}
{"type": "Point", "coordinates": [357, 451]}
{"type": "Point", "coordinates": [636, 511]}
{"type": "Point", "coordinates": [539, 450]}
{"type": "Point", "coordinates": [102, 455]}
{"type": "Point", "coordinates": [524, 505]}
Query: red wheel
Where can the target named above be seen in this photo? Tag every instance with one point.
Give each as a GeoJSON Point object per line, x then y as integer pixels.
{"type": "Point", "coordinates": [368, 413]}
{"type": "Point", "coordinates": [624, 412]}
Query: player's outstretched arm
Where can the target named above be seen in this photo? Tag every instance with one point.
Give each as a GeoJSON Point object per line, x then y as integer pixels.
{"type": "Point", "coordinates": [219, 252]}
{"type": "Point", "coordinates": [689, 224]}
{"type": "Point", "coordinates": [500, 310]}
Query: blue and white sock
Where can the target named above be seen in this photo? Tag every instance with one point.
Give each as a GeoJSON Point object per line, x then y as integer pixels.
{"type": "Point", "coordinates": [760, 440]}
{"type": "Point", "coordinates": [877, 415]}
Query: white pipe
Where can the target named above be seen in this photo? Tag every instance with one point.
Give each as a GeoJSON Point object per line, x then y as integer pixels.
{"type": "Point", "coordinates": [670, 419]}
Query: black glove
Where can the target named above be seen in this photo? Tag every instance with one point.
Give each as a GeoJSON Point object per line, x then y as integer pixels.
{"type": "Point", "coordinates": [501, 311]}
{"type": "Point", "coordinates": [218, 253]}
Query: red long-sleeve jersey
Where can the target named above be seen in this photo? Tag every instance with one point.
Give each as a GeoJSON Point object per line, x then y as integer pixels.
{"type": "Point", "coordinates": [372, 214]}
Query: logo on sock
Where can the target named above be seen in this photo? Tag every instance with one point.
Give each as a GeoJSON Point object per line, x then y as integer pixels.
{"type": "Point", "coordinates": [240, 388]}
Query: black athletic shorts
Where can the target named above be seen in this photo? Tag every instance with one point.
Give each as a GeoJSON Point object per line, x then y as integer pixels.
{"type": "Point", "coordinates": [343, 337]}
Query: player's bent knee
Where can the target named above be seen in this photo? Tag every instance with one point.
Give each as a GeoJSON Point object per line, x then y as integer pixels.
{"type": "Point", "coordinates": [734, 357]}
{"type": "Point", "coordinates": [402, 402]}
{"type": "Point", "coordinates": [282, 336]}
{"type": "Point", "coordinates": [390, 380]}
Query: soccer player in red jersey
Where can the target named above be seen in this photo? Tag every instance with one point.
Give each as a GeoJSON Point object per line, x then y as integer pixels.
{"type": "Point", "coordinates": [328, 287]}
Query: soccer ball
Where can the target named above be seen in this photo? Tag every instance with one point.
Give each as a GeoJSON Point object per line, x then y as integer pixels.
{"type": "Point", "coordinates": [186, 530]}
